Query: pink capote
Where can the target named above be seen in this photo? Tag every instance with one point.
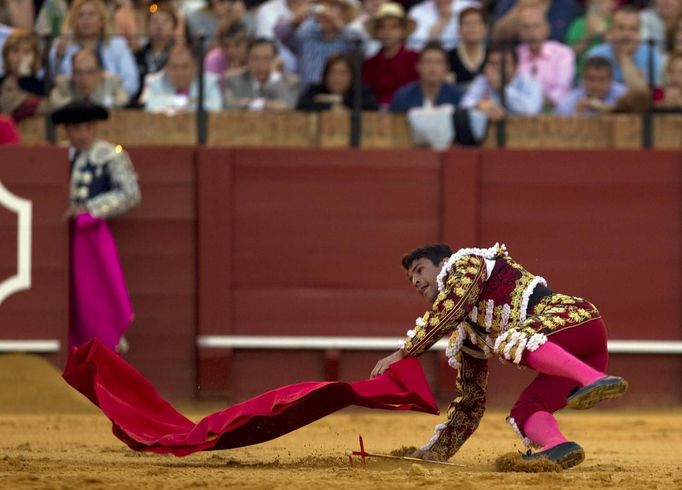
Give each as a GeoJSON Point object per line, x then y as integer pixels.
{"type": "Point", "coordinates": [147, 422]}
{"type": "Point", "coordinates": [100, 304]}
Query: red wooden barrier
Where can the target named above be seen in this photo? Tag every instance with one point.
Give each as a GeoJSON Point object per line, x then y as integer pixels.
{"type": "Point", "coordinates": [39, 175]}
{"type": "Point", "coordinates": [157, 244]}
{"type": "Point", "coordinates": [308, 242]}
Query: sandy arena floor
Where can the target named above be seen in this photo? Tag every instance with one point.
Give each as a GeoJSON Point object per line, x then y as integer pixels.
{"type": "Point", "coordinates": [624, 450]}
{"type": "Point", "coordinates": [42, 449]}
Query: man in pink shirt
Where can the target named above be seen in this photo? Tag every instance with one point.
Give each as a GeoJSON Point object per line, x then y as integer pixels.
{"type": "Point", "coordinates": [551, 63]}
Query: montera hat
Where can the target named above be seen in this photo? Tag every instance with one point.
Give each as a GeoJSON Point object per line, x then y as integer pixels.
{"type": "Point", "coordinates": [79, 111]}
{"type": "Point", "coordinates": [390, 9]}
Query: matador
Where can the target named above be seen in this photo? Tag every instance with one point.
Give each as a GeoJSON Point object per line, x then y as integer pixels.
{"type": "Point", "coordinates": [491, 306]}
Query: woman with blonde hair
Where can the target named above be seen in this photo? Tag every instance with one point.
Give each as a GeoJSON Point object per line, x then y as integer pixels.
{"type": "Point", "coordinates": [88, 27]}
{"type": "Point", "coordinates": [22, 92]}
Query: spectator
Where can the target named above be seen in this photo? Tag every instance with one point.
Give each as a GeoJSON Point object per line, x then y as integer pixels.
{"type": "Point", "coordinates": [394, 66]}
{"type": "Point", "coordinates": [597, 93]}
{"type": "Point", "coordinates": [437, 20]}
{"type": "Point", "coordinates": [629, 57]}
{"type": "Point", "coordinates": [468, 57]}
{"type": "Point", "coordinates": [559, 13]}
{"type": "Point", "coordinates": [671, 95]}
{"type": "Point", "coordinates": [229, 57]}
{"type": "Point", "coordinates": [17, 14]}
{"type": "Point", "coordinates": [336, 90]}
{"type": "Point", "coordinates": [9, 134]}
{"type": "Point", "coordinates": [88, 82]}
{"type": "Point", "coordinates": [51, 18]}
{"type": "Point", "coordinates": [674, 44]}
{"type": "Point", "coordinates": [162, 23]}
{"type": "Point", "coordinates": [176, 88]}
{"type": "Point", "coordinates": [5, 31]}
{"type": "Point", "coordinates": [260, 86]}
{"type": "Point", "coordinates": [658, 20]}
{"type": "Point", "coordinates": [371, 46]}
{"type": "Point", "coordinates": [268, 15]}
{"type": "Point", "coordinates": [22, 93]}
{"type": "Point", "coordinates": [205, 22]}
{"type": "Point", "coordinates": [129, 20]}
{"type": "Point", "coordinates": [589, 30]}
{"type": "Point", "coordinates": [432, 88]}
{"type": "Point", "coordinates": [88, 23]}
{"type": "Point", "coordinates": [317, 31]}
{"type": "Point", "coordinates": [431, 104]}
{"type": "Point", "coordinates": [550, 62]}
{"type": "Point", "coordinates": [522, 93]}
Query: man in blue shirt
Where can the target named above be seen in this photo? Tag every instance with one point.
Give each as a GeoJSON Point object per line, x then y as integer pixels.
{"type": "Point", "coordinates": [628, 55]}
{"type": "Point", "coordinates": [597, 93]}
{"type": "Point", "coordinates": [431, 89]}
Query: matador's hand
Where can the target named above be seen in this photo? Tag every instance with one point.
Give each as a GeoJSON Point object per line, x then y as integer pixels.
{"type": "Point", "coordinates": [384, 363]}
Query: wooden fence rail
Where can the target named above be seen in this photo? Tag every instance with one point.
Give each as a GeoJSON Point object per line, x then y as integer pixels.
{"type": "Point", "coordinates": [332, 130]}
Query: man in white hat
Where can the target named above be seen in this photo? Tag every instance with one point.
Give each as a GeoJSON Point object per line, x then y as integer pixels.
{"type": "Point", "coordinates": [394, 65]}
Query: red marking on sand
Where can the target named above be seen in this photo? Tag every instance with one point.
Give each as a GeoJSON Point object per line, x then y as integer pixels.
{"type": "Point", "coordinates": [362, 453]}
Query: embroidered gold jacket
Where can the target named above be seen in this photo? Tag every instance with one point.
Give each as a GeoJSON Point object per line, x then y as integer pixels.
{"type": "Point", "coordinates": [483, 305]}
{"type": "Point", "coordinates": [104, 181]}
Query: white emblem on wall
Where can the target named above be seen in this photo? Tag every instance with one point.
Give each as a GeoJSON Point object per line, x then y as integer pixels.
{"type": "Point", "coordinates": [23, 209]}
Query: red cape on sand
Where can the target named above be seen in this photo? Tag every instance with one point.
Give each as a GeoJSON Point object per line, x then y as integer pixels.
{"type": "Point", "coordinates": [147, 422]}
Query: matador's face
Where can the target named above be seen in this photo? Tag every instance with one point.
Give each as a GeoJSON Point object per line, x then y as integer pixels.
{"type": "Point", "coordinates": [422, 274]}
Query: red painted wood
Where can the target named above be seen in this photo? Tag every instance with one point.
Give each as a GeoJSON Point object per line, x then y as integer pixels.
{"type": "Point", "coordinates": [157, 245]}
{"type": "Point", "coordinates": [40, 175]}
{"type": "Point", "coordinates": [319, 236]}
{"type": "Point", "coordinates": [308, 242]}
{"type": "Point", "coordinates": [601, 225]}
{"type": "Point", "coordinates": [461, 198]}
{"type": "Point", "coordinates": [215, 202]}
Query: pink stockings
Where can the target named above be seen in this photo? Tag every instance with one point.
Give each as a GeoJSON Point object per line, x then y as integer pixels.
{"type": "Point", "coordinates": [543, 429]}
{"type": "Point", "coordinates": [570, 359]}
{"type": "Point", "coordinates": [551, 359]}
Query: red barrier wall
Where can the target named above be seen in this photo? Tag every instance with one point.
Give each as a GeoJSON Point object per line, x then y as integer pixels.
{"type": "Point", "coordinates": [315, 240]}
{"type": "Point", "coordinates": [157, 245]}
{"type": "Point", "coordinates": [308, 242]}
{"type": "Point", "coordinates": [41, 312]}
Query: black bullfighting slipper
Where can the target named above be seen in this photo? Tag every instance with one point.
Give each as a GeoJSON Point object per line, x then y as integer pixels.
{"type": "Point", "coordinates": [567, 455]}
{"type": "Point", "coordinates": [603, 389]}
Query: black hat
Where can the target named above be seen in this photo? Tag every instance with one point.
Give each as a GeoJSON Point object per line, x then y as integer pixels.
{"type": "Point", "coordinates": [79, 111]}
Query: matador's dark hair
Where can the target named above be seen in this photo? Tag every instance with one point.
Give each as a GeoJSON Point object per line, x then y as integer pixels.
{"type": "Point", "coordinates": [435, 253]}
